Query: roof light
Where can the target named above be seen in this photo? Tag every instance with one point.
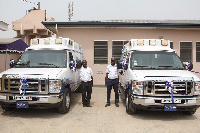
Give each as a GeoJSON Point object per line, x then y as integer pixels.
{"type": "Point", "coordinates": [164, 42]}
{"type": "Point", "coordinates": [152, 42]}
{"type": "Point", "coordinates": [58, 40]}
{"type": "Point", "coordinates": [140, 42]}
{"type": "Point", "coordinates": [46, 41]}
{"type": "Point", "coordinates": [35, 41]}
{"type": "Point", "coordinates": [71, 42]}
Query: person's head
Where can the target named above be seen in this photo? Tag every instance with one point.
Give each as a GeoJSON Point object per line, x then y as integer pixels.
{"type": "Point", "coordinates": [112, 61]}
{"type": "Point", "coordinates": [84, 63]}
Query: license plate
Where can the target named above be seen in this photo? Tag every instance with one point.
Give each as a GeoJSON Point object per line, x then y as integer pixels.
{"type": "Point", "coordinates": [22, 98]}
{"type": "Point", "coordinates": [171, 107]}
{"type": "Point", "coordinates": [22, 104]}
{"type": "Point", "coordinates": [170, 101]}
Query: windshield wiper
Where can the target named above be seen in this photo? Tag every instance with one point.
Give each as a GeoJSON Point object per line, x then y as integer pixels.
{"type": "Point", "coordinates": [48, 64]}
{"type": "Point", "coordinates": [165, 66]}
{"type": "Point", "coordinates": [141, 66]}
{"type": "Point", "coordinates": [24, 64]}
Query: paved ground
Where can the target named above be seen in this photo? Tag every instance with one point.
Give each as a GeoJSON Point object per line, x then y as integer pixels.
{"type": "Point", "coordinates": [97, 119]}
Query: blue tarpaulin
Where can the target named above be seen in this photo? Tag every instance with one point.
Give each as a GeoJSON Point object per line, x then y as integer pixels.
{"type": "Point", "coordinates": [14, 45]}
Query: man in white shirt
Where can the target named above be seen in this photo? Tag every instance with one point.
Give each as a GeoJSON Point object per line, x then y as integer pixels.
{"type": "Point", "coordinates": [111, 80]}
{"type": "Point", "coordinates": [86, 77]}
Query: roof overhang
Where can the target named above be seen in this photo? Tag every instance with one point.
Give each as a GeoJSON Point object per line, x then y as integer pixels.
{"type": "Point", "coordinates": [3, 26]}
{"type": "Point", "coordinates": [53, 26]}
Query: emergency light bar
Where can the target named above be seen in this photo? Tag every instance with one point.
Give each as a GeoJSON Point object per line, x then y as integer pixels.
{"type": "Point", "coordinates": [65, 43]}
{"type": "Point", "coordinates": [148, 42]}
{"type": "Point", "coordinates": [35, 41]}
{"type": "Point", "coordinates": [46, 41]}
{"type": "Point", "coordinates": [58, 41]}
{"type": "Point", "coordinates": [140, 42]}
{"type": "Point", "coordinates": [134, 44]}
{"type": "Point", "coordinates": [152, 42]}
{"type": "Point", "coordinates": [164, 42]}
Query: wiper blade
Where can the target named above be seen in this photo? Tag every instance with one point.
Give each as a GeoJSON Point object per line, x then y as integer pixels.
{"type": "Point", "coordinates": [141, 66]}
{"type": "Point", "coordinates": [165, 66]}
{"type": "Point", "coordinates": [23, 64]}
{"type": "Point", "coordinates": [48, 64]}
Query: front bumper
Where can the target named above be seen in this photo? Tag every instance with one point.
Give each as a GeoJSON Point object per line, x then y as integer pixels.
{"type": "Point", "coordinates": [37, 101]}
{"type": "Point", "coordinates": [158, 103]}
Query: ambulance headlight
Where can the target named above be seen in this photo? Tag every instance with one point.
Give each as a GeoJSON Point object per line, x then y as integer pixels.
{"type": "Point", "coordinates": [137, 87]}
{"type": "Point", "coordinates": [197, 88]}
{"type": "Point", "coordinates": [55, 86]}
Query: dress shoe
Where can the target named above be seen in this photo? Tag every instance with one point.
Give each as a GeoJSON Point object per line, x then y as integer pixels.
{"type": "Point", "coordinates": [107, 104]}
{"type": "Point", "coordinates": [89, 105]}
{"type": "Point", "coordinates": [116, 104]}
{"type": "Point", "coordinates": [84, 105]}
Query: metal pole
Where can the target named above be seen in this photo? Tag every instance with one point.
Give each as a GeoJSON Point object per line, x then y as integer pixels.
{"type": "Point", "coordinates": [38, 5]}
{"type": "Point", "coordinates": [6, 59]}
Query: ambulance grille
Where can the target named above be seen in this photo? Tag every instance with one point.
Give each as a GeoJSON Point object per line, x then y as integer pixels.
{"type": "Point", "coordinates": [33, 85]}
{"type": "Point", "coordinates": [180, 88]}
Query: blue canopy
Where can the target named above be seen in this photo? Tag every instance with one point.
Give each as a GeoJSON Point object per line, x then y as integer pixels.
{"type": "Point", "coordinates": [12, 45]}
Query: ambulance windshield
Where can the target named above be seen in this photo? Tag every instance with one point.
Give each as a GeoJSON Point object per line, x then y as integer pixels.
{"type": "Point", "coordinates": [156, 60]}
{"type": "Point", "coordinates": [42, 59]}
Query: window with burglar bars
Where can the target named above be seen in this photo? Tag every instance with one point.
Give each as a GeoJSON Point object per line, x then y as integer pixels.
{"type": "Point", "coordinates": [186, 51]}
{"type": "Point", "coordinates": [100, 52]}
{"type": "Point", "coordinates": [197, 51]}
{"type": "Point", "coordinates": [117, 47]}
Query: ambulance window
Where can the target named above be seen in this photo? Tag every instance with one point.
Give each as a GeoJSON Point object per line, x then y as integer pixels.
{"type": "Point", "coordinates": [43, 59]}
{"type": "Point", "coordinates": [70, 56]}
{"type": "Point", "coordinates": [155, 60]}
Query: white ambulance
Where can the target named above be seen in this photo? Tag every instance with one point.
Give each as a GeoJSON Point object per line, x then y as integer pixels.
{"type": "Point", "coordinates": [154, 78]}
{"type": "Point", "coordinates": [44, 76]}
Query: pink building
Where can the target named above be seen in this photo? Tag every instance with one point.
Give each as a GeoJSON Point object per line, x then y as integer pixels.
{"type": "Point", "coordinates": [101, 40]}
{"type": "Point", "coordinates": [30, 26]}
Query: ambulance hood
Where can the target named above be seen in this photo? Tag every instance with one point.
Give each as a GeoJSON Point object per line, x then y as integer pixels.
{"type": "Point", "coordinates": [166, 75]}
{"type": "Point", "coordinates": [51, 73]}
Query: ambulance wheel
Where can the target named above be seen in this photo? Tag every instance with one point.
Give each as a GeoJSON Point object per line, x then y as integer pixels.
{"type": "Point", "coordinates": [65, 104]}
{"type": "Point", "coordinates": [7, 108]}
{"type": "Point", "coordinates": [129, 106]}
{"type": "Point", "coordinates": [190, 112]}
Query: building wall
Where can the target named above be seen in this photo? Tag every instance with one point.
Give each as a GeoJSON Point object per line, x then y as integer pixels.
{"type": "Point", "coordinates": [86, 36]}
{"type": "Point", "coordinates": [30, 26]}
{"type": "Point", "coordinates": [6, 59]}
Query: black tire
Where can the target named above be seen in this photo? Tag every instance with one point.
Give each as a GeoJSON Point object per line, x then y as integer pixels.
{"type": "Point", "coordinates": [130, 109]}
{"type": "Point", "coordinates": [65, 104]}
{"type": "Point", "coordinates": [7, 108]}
{"type": "Point", "coordinates": [190, 112]}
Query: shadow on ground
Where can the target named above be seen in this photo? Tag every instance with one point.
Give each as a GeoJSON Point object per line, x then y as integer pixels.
{"type": "Point", "coordinates": [41, 113]}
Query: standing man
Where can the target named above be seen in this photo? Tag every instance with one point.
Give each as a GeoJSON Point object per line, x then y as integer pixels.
{"type": "Point", "coordinates": [111, 80]}
{"type": "Point", "coordinates": [86, 77]}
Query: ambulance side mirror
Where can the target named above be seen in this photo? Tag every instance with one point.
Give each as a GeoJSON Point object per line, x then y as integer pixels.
{"type": "Point", "coordinates": [12, 63]}
{"type": "Point", "coordinates": [125, 66]}
{"type": "Point", "coordinates": [190, 66]}
{"type": "Point", "coordinates": [78, 64]}
{"type": "Point", "coordinates": [122, 65]}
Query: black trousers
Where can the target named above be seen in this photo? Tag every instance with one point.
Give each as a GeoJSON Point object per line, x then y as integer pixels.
{"type": "Point", "coordinates": [86, 91]}
{"type": "Point", "coordinates": [112, 83]}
